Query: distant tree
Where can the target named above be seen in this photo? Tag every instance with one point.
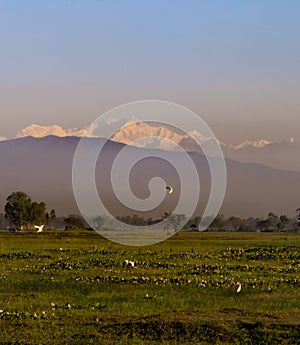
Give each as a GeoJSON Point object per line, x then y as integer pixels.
{"type": "Point", "coordinates": [283, 221]}
{"type": "Point", "coordinates": [233, 222]}
{"type": "Point", "coordinates": [218, 222]}
{"type": "Point", "coordinates": [98, 222]}
{"type": "Point", "coordinates": [175, 221]}
{"type": "Point", "coordinates": [243, 227]}
{"type": "Point", "coordinates": [52, 215]}
{"type": "Point", "coordinates": [263, 224]}
{"type": "Point", "coordinates": [251, 223]}
{"type": "Point", "coordinates": [37, 213]}
{"type": "Point", "coordinates": [74, 222]}
{"type": "Point", "coordinates": [18, 209]}
{"type": "Point", "coordinates": [193, 224]}
{"type": "Point", "coordinates": [273, 220]}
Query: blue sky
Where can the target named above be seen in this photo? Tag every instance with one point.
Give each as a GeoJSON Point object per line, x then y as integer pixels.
{"type": "Point", "coordinates": [235, 63]}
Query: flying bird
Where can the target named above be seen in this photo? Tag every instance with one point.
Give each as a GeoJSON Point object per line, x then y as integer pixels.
{"type": "Point", "coordinates": [169, 189]}
{"type": "Point", "coordinates": [40, 228]}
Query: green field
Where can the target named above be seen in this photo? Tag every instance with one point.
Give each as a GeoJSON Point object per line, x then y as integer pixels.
{"type": "Point", "coordinates": [181, 291]}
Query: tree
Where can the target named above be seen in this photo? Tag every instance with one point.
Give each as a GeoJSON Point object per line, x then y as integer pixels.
{"type": "Point", "coordinates": [218, 222]}
{"type": "Point", "coordinates": [21, 212]}
{"type": "Point", "coordinates": [51, 217]}
{"type": "Point", "coordinates": [18, 209]}
{"type": "Point", "coordinates": [263, 224]}
{"type": "Point", "coordinates": [74, 221]}
{"type": "Point", "coordinates": [233, 223]}
{"type": "Point", "coordinates": [243, 227]}
{"type": "Point", "coordinates": [273, 220]}
{"type": "Point", "coordinates": [37, 213]}
{"type": "Point", "coordinates": [283, 221]}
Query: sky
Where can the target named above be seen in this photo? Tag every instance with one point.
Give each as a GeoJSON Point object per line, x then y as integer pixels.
{"type": "Point", "coordinates": [234, 63]}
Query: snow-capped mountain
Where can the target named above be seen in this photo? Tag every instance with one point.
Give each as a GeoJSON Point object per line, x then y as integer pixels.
{"type": "Point", "coordinates": [38, 131]}
{"type": "Point", "coordinates": [42, 168]}
{"type": "Point", "coordinates": [281, 155]}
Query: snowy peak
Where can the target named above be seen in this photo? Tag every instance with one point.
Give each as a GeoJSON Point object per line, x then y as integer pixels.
{"type": "Point", "coordinates": [38, 131]}
{"type": "Point", "coordinates": [248, 143]}
{"type": "Point", "coordinates": [132, 132]}
{"type": "Point", "coordinates": [145, 135]}
{"type": "Point", "coordinates": [280, 155]}
{"type": "Point", "coordinates": [141, 134]}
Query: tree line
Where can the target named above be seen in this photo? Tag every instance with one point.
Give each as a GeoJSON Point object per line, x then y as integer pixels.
{"type": "Point", "coordinates": [23, 213]}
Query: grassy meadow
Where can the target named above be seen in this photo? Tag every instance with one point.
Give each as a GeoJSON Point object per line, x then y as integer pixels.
{"type": "Point", "coordinates": [74, 287]}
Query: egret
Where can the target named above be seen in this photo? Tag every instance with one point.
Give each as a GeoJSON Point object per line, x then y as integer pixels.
{"type": "Point", "coordinates": [129, 262]}
{"type": "Point", "coordinates": [239, 287]}
{"type": "Point", "coordinates": [169, 189]}
{"type": "Point", "coordinates": [53, 306]}
{"type": "Point", "coordinates": [40, 228]}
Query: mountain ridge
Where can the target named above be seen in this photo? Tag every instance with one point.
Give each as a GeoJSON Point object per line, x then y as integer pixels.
{"type": "Point", "coordinates": [42, 168]}
{"type": "Point", "coordinates": [279, 155]}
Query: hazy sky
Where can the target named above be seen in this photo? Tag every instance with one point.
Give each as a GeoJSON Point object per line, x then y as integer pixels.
{"type": "Point", "coordinates": [236, 63]}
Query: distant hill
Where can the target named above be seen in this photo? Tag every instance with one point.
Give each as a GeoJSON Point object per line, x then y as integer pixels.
{"type": "Point", "coordinates": [42, 167]}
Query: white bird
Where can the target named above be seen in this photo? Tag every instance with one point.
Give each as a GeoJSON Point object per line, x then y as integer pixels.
{"type": "Point", "coordinates": [169, 189]}
{"type": "Point", "coordinates": [128, 262]}
{"type": "Point", "coordinates": [40, 228]}
{"type": "Point", "coordinates": [53, 305]}
{"type": "Point", "coordinates": [239, 287]}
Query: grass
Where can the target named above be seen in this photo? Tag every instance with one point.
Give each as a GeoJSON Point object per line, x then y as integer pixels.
{"type": "Point", "coordinates": [181, 291]}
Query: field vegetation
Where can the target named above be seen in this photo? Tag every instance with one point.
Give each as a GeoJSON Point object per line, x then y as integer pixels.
{"type": "Point", "coordinates": [75, 287]}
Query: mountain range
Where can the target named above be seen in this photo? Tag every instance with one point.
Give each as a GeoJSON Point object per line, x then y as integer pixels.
{"type": "Point", "coordinates": [42, 168]}
{"type": "Point", "coordinates": [280, 155]}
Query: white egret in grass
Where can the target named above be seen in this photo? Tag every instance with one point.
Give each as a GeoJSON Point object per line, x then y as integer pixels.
{"type": "Point", "coordinates": [39, 228]}
{"type": "Point", "coordinates": [169, 189]}
{"type": "Point", "coordinates": [53, 305]}
{"type": "Point", "coordinates": [129, 262]}
{"type": "Point", "coordinates": [239, 287]}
